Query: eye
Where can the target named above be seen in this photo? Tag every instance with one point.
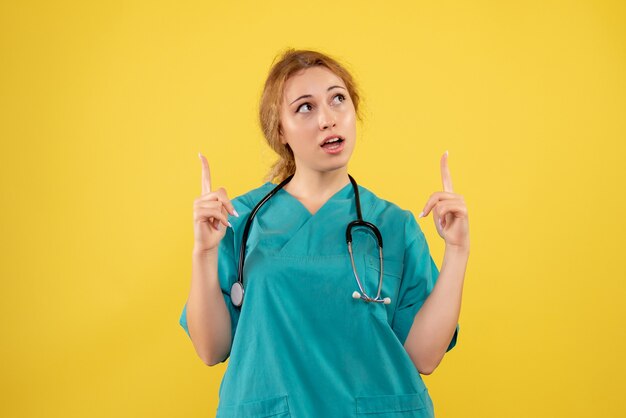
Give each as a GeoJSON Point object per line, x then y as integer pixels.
{"type": "Point", "coordinates": [343, 98]}
{"type": "Point", "coordinates": [300, 107]}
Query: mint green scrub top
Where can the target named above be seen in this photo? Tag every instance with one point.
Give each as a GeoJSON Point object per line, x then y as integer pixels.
{"type": "Point", "coordinates": [302, 346]}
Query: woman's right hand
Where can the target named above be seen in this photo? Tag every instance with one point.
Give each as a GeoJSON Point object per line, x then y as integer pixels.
{"type": "Point", "coordinates": [210, 213]}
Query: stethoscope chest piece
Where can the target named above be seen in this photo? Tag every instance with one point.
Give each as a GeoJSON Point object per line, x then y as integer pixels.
{"type": "Point", "coordinates": [236, 294]}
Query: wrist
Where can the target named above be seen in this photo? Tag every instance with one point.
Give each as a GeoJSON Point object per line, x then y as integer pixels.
{"type": "Point", "coordinates": [457, 250]}
{"type": "Point", "coordinates": [203, 253]}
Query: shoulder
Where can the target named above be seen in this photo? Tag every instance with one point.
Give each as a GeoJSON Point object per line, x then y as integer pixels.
{"type": "Point", "coordinates": [245, 203]}
{"type": "Point", "coordinates": [252, 197]}
{"type": "Point", "coordinates": [392, 216]}
{"type": "Point", "coordinates": [376, 206]}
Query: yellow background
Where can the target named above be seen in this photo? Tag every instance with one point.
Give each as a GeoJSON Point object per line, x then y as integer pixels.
{"type": "Point", "coordinates": [104, 108]}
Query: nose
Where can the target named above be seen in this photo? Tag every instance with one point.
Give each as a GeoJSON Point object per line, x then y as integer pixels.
{"type": "Point", "coordinates": [327, 118]}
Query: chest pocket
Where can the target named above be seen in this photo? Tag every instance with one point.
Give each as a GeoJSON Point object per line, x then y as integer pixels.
{"type": "Point", "coordinates": [390, 405]}
{"type": "Point", "coordinates": [392, 277]}
{"type": "Point", "coordinates": [275, 407]}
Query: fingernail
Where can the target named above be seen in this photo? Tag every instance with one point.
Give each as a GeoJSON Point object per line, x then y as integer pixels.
{"type": "Point", "coordinates": [230, 224]}
{"type": "Point", "coordinates": [446, 153]}
{"type": "Point", "coordinates": [199, 156]}
{"type": "Point", "coordinates": [421, 214]}
{"type": "Point", "coordinates": [235, 212]}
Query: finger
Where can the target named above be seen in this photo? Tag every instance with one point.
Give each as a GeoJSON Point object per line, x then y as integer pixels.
{"type": "Point", "coordinates": [439, 220]}
{"type": "Point", "coordinates": [214, 213]}
{"type": "Point", "coordinates": [439, 205]}
{"type": "Point", "coordinates": [437, 197]}
{"type": "Point", "coordinates": [214, 205]}
{"type": "Point", "coordinates": [223, 219]}
{"type": "Point", "coordinates": [206, 174]}
{"type": "Point", "coordinates": [206, 213]}
{"type": "Point", "coordinates": [220, 216]}
{"type": "Point", "coordinates": [446, 179]}
{"type": "Point", "coordinates": [219, 196]}
{"type": "Point", "coordinates": [208, 197]}
{"type": "Point", "coordinates": [439, 217]}
{"type": "Point", "coordinates": [223, 197]}
{"type": "Point", "coordinates": [451, 209]}
{"type": "Point", "coordinates": [209, 204]}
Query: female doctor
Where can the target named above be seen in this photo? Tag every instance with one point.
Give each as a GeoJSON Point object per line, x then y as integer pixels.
{"type": "Point", "coordinates": [308, 326]}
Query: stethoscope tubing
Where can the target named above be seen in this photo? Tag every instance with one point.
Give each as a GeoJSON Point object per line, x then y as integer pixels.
{"type": "Point", "coordinates": [237, 289]}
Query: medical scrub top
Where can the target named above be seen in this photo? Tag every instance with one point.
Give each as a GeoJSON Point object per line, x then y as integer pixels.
{"type": "Point", "coordinates": [302, 345]}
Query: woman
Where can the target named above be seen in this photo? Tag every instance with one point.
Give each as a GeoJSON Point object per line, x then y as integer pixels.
{"type": "Point", "coordinates": [305, 339]}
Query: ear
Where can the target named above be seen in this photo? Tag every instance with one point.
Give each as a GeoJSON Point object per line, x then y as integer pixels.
{"type": "Point", "coordinates": [281, 136]}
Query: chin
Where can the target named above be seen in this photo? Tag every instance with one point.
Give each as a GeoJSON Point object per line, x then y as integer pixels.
{"type": "Point", "coordinates": [337, 166]}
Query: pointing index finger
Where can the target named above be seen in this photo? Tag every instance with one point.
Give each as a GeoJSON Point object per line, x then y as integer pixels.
{"type": "Point", "coordinates": [206, 174]}
{"type": "Point", "coordinates": [445, 173]}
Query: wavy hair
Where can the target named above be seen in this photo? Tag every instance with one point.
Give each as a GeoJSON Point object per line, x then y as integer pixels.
{"type": "Point", "coordinates": [291, 62]}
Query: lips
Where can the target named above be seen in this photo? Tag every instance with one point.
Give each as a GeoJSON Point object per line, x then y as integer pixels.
{"type": "Point", "coordinates": [333, 144]}
{"type": "Point", "coordinates": [332, 139]}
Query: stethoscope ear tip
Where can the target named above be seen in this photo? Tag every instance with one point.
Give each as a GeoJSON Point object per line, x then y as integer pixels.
{"type": "Point", "coordinates": [387, 301]}
{"type": "Point", "coordinates": [356, 295]}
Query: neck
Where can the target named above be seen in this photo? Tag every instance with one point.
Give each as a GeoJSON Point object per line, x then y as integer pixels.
{"type": "Point", "coordinates": [313, 185]}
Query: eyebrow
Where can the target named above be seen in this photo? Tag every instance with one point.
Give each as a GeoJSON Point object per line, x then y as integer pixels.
{"type": "Point", "coordinates": [308, 95]}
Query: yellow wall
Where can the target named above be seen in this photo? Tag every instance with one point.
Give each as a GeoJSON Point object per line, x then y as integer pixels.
{"type": "Point", "coordinates": [104, 107]}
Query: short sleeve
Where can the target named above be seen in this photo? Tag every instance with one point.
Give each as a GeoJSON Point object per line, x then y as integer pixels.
{"type": "Point", "coordinates": [418, 280]}
{"type": "Point", "coordinates": [227, 274]}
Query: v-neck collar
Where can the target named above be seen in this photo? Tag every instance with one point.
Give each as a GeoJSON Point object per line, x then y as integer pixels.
{"type": "Point", "coordinates": [339, 193]}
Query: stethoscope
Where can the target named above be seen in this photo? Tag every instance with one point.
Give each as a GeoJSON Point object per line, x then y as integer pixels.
{"type": "Point", "coordinates": [236, 291]}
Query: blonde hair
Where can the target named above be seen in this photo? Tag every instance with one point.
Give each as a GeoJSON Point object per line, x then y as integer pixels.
{"type": "Point", "coordinates": [291, 62]}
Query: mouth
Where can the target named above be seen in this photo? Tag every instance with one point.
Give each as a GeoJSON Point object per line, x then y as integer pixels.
{"type": "Point", "coordinates": [333, 142]}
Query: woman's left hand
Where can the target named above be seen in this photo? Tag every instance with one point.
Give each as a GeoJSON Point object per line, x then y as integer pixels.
{"type": "Point", "coordinates": [450, 212]}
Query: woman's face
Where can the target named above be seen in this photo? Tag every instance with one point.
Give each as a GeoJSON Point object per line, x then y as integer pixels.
{"type": "Point", "coordinates": [316, 105]}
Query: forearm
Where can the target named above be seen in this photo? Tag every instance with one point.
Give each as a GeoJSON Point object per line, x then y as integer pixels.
{"type": "Point", "coordinates": [435, 322]}
{"type": "Point", "coordinates": [208, 318]}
